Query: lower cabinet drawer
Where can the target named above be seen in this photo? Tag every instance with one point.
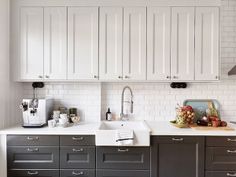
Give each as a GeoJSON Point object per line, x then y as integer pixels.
{"type": "Point", "coordinates": [221, 158]}
{"type": "Point", "coordinates": [40, 157]}
{"type": "Point", "coordinates": [220, 173]}
{"type": "Point", "coordinates": [77, 172]}
{"type": "Point", "coordinates": [38, 173]}
{"type": "Point", "coordinates": [74, 157]}
{"type": "Point", "coordinates": [123, 158]}
{"type": "Point", "coordinates": [123, 173]}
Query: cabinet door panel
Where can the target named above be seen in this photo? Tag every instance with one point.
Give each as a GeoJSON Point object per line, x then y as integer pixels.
{"type": "Point", "coordinates": [207, 43]}
{"type": "Point", "coordinates": [55, 43]}
{"type": "Point", "coordinates": [83, 43]}
{"type": "Point", "coordinates": [134, 63]}
{"type": "Point", "coordinates": [111, 33]}
{"type": "Point", "coordinates": [158, 47]}
{"type": "Point", "coordinates": [31, 34]}
{"type": "Point", "coordinates": [182, 43]}
{"type": "Point", "coordinates": [177, 156]}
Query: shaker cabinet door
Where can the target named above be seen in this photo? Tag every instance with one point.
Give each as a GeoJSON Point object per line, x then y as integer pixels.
{"type": "Point", "coordinates": [207, 43]}
{"type": "Point", "coordinates": [134, 48]}
{"type": "Point", "coordinates": [110, 41]}
{"type": "Point", "coordinates": [55, 43]}
{"type": "Point", "coordinates": [31, 43]}
{"type": "Point", "coordinates": [182, 43]}
{"type": "Point", "coordinates": [83, 43]}
{"type": "Point", "coordinates": [158, 45]}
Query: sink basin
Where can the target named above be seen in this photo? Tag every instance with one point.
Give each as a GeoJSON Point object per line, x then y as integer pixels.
{"type": "Point", "coordinates": [106, 134]}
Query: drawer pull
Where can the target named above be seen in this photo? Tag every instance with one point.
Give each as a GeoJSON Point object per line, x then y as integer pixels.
{"type": "Point", "coordinates": [77, 173]}
{"type": "Point", "coordinates": [231, 151]}
{"type": "Point", "coordinates": [231, 140]}
{"type": "Point", "coordinates": [32, 172]}
{"type": "Point", "coordinates": [33, 149]}
{"type": "Point", "coordinates": [231, 174]}
{"type": "Point", "coordinates": [77, 138]}
{"type": "Point", "coordinates": [123, 150]}
{"type": "Point", "coordinates": [32, 138]}
{"type": "Point", "coordinates": [177, 139]}
{"type": "Point", "coordinates": [78, 150]}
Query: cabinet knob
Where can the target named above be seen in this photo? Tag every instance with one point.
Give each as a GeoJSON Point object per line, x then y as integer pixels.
{"type": "Point", "coordinates": [40, 77]}
{"type": "Point", "coordinates": [175, 77]}
{"type": "Point", "coordinates": [127, 77]}
{"type": "Point", "coordinates": [217, 77]}
{"type": "Point", "coordinates": [47, 76]}
{"type": "Point", "coordinates": [95, 77]}
{"type": "Point", "coordinates": [167, 77]}
{"type": "Point", "coordinates": [77, 173]}
{"type": "Point", "coordinates": [120, 77]}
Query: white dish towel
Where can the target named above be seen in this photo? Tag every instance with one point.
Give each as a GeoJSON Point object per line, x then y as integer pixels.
{"type": "Point", "coordinates": [124, 137]}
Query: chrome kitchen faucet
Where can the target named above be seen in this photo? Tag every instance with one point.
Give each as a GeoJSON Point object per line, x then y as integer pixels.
{"type": "Point", "coordinates": [122, 115]}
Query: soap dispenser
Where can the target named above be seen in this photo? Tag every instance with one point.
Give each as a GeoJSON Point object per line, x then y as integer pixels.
{"type": "Point", "coordinates": [108, 115]}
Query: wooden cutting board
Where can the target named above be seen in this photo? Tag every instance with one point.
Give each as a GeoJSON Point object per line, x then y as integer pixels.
{"type": "Point", "coordinates": [196, 127]}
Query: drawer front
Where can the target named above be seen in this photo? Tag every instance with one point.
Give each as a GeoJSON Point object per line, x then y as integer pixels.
{"type": "Point", "coordinates": [33, 157]}
{"type": "Point", "coordinates": [123, 158]}
{"type": "Point", "coordinates": [220, 173]}
{"type": "Point", "coordinates": [221, 141]}
{"type": "Point", "coordinates": [76, 172]}
{"type": "Point", "coordinates": [123, 173]}
{"type": "Point", "coordinates": [77, 157]}
{"type": "Point", "coordinates": [38, 173]}
{"type": "Point", "coordinates": [221, 158]}
{"type": "Point", "coordinates": [77, 140]}
{"type": "Point", "coordinates": [32, 140]}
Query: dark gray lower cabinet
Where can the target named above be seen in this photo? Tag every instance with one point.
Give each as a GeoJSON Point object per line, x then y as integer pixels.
{"type": "Point", "coordinates": [38, 173]}
{"type": "Point", "coordinates": [33, 157]}
{"type": "Point", "coordinates": [77, 157]}
{"type": "Point", "coordinates": [220, 173]}
{"type": "Point", "coordinates": [123, 173]}
{"type": "Point", "coordinates": [177, 156]}
{"type": "Point", "coordinates": [77, 172]}
{"type": "Point", "coordinates": [123, 158]}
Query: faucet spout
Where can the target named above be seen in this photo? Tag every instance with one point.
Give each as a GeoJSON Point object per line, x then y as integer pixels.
{"type": "Point", "coordinates": [122, 115]}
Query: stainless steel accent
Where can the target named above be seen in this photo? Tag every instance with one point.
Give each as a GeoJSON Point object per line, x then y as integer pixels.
{"type": "Point", "coordinates": [231, 140]}
{"type": "Point", "coordinates": [122, 115]}
{"type": "Point", "coordinates": [32, 138]}
{"type": "Point", "coordinates": [231, 151]}
{"type": "Point", "coordinates": [177, 139]}
{"type": "Point", "coordinates": [33, 149]}
{"type": "Point", "coordinates": [123, 150]}
{"type": "Point", "coordinates": [32, 172]}
{"type": "Point", "coordinates": [77, 173]}
{"type": "Point", "coordinates": [231, 174]}
{"type": "Point", "coordinates": [78, 150]}
{"type": "Point", "coordinates": [77, 138]}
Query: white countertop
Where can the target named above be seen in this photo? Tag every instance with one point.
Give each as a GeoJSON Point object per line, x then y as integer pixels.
{"type": "Point", "coordinates": [162, 128]}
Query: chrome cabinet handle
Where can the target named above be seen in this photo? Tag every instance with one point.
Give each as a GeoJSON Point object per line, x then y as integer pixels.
{"type": "Point", "coordinates": [77, 138]}
{"type": "Point", "coordinates": [32, 138]}
{"type": "Point", "coordinates": [32, 173]}
{"type": "Point", "coordinates": [120, 77]}
{"type": "Point", "coordinates": [231, 140]}
{"type": "Point", "coordinates": [231, 174]}
{"type": "Point", "coordinates": [177, 139]}
{"type": "Point", "coordinates": [127, 77]}
{"type": "Point", "coordinates": [47, 77]}
{"type": "Point", "coordinates": [77, 173]}
{"type": "Point", "coordinates": [32, 149]}
{"type": "Point", "coordinates": [168, 77]}
{"type": "Point", "coordinates": [78, 150]}
{"type": "Point", "coordinates": [123, 150]}
{"type": "Point", "coordinates": [40, 77]}
{"type": "Point", "coordinates": [95, 77]}
{"type": "Point", "coordinates": [231, 151]}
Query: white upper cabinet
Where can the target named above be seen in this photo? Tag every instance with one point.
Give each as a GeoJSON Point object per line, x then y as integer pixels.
{"type": "Point", "coordinates": [83, 43]}
{"type": "Point", "coordinates": [55, 43]}
{"type": "Point", "coordinates": [31, 43]}
{"type": "Point", "coordinates": [110, 43]}
{"type": "Point", "coordinates": [207, 43]}
{"type": "Point", "coordinates": [158, 43]}
{"type": "Point", "coordinates": [134, 46]}
{"type": "Point", "coordinates": [182, 43]}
